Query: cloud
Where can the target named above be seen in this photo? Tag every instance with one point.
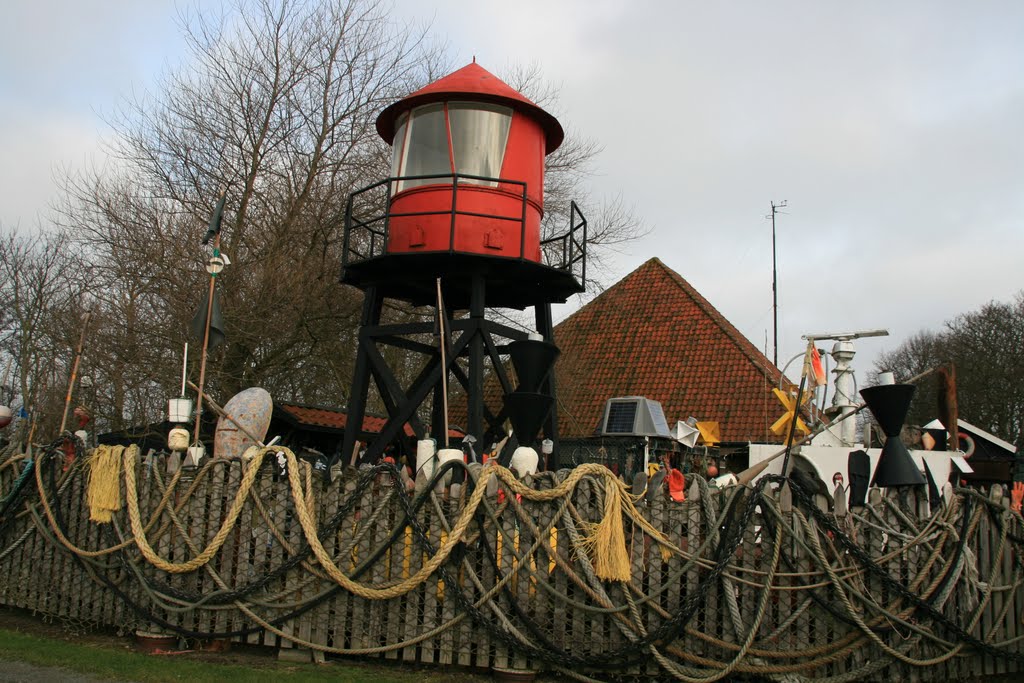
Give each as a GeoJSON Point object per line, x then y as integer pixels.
{"type": "Point", "coordinates": [892, 129]}
{"type": "Point", "coordinates": [41, 144]}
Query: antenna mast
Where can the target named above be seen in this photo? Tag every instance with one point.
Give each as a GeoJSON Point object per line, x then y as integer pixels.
{"type": "Point", "coordinates": [775, 286]}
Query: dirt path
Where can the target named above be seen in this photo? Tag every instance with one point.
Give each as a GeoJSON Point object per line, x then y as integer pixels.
{"type": "Point", "coordinates": [20, 672]}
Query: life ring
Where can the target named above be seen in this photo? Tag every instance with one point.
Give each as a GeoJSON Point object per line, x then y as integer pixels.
{"type": "Point", "coordinates": [966, 444]}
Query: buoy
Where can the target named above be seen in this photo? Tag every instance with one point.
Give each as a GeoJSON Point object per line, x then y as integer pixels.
{"type": "Point", "coordinates": [712, 471]}
{"type": "Point", "coordinates": [446, 454]}
{"type": "Point", "coordinates": [967, 444]}
{"type": "Point", "coordinates": [5, 416]}
{"type": "Point", "coordinates": [177, 439]}
{"type": "Point", "coordinates": [524, 461]}
{"type": "Point", "coordinates": [676, 485]}
{"type": "Point", "coordinates": [250, 411]}
{"type": "Point", "coordinates": [425, 457]}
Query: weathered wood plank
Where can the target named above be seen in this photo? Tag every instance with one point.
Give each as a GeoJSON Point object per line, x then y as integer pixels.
{"type": "Point", "coordinates": [448, 646]}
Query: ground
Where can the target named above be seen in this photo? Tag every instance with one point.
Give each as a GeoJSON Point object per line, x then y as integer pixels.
{"type": "Point", "coordinates": [262, 662]}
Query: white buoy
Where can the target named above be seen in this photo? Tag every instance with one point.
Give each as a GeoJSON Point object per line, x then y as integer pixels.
{"type": "Point", "coordinates": [179, 410]}
{"type": "Point", "coordinates": [425, 449]}
{"type": "Point", "coordinates": [177, 439]}
{"type": "Point", "coordinates": [524, 461]}
{"type": "Point", "coordinates": [443, 456]}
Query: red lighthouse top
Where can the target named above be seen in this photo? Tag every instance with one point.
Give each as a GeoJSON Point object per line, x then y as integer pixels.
{"type": "Point", "coordinates": [472, 82]}
{"type": "Point", "coordinates": [464, 201]}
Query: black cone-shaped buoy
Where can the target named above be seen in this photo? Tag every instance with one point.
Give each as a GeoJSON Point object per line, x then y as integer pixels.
{"type": "Point", "coordinates": [889, 404]}
{"type": "Point", "coordinates": [527, 411]}
{"type": "Point", "coordinates": [532, 360]}
{"type": "Point", "coordinates": [896, 466]}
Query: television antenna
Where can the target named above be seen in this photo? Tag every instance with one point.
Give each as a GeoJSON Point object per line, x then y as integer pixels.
{"type": "Point", "coordinates": [775, 284]}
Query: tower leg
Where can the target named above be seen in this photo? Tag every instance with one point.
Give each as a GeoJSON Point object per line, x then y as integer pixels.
{"type": "Point", "coordinates": [545, 326]}
{"type": "Point", "coordinates": [372, 303]}
{"type": "Point", "coordinates": [475, 391]}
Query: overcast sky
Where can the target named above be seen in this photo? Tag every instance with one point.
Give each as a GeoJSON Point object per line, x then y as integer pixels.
{"type": "Point", "coordinates": [894, 130]}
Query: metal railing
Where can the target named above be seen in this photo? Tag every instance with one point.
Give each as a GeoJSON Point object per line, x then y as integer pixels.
{"type": "Point", "coordinates": [368, 218]}
{"type": "Point", "coordinates": [571, 246]}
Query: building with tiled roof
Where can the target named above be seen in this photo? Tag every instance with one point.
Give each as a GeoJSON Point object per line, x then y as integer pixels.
{"type": "Point", "coordinates": [653, 335]}
{"type": "Point", "coordinates": [333, 421]}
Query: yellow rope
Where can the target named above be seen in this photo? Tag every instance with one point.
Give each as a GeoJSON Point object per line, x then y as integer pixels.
{"type": "Point", "coordinates": [615, 490]}
{"type": "Point", "coordinates": [48, 510]}
{"type": "Point", "coordinates": [202, 558]}
{"type": "Point", "coordinates": [104, 492]}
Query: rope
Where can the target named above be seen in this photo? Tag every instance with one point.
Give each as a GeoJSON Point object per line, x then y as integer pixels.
{"type": "Point", "coordinates": [909, 621]}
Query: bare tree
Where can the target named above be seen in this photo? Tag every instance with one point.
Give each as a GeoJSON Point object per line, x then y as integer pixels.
{"type": "Point", "coordinates": [276, 110]}
{"type": "Point", "coordinates": [987, 347]}
{"type": "Point", "coordinates": [42, 285]}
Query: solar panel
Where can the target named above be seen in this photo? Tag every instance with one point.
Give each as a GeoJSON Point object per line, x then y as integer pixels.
{"type": "Point", "coordinates": [621, 417]}
{"type": "Point", "coordinates": [635, 415]}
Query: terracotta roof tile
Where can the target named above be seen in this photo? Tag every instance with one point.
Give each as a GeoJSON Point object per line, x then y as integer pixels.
{"type": "Point", "coordinates": [335, 419]}
{"type": "Point", "coordinates": [652, 334]}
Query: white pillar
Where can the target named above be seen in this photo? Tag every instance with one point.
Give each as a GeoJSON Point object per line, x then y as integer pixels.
{"type": "Point", "coordinates": [845, 400]}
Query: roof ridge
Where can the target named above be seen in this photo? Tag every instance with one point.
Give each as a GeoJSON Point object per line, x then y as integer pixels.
{"type": "Point", "coordinates": [745, 345]}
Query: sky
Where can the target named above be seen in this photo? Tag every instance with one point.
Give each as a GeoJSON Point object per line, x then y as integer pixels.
{"type": "Point", "coordinates": [894, 132]}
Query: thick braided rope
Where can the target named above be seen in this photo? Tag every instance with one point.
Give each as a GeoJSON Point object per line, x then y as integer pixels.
{"type": "Point", "coordinates": [937, 547]}
{"type": "Point", "coordinates": [835, 650]}
{"type": "Point", "coordinates": [486, 598]}
{"type": "Point", "coordinates": [458, 530]}
{"type": "Point", "coordinates": [892, 652]}
{"type": "Point", "coordinates": [762, 608]}
{"type": "Point", "coordinates": [81, 552]}
{"type": "Point", "coordinates": [577, 473]}
{"type": "Point", "coordinates": [895, 653]}
{"type": "Point", "coordinates": [218, 540]}
{"type": "Point", "coordinates": [246, 609]}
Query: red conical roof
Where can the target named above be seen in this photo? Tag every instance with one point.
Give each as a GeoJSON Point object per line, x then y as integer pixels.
{"type": "Point", "coordinates": [476, 84]}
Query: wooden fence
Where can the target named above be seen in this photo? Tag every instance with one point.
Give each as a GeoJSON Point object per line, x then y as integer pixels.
{"type": "Point", "coordinates": [519, 590]}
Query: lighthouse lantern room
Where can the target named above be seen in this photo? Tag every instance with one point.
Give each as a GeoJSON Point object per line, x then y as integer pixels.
{"type": "Point", "coordinates": [462, 213]}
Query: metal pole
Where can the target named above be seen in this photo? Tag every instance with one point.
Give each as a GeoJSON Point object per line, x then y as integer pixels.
{"type": "Point", "coordinates": [206, 344]}
{"type": "Point", "coordinates": [442, 324]}
{"type": "Point", "coordinates": [775, 286]}
{"type": "Point", "coordinates": [775, 298]}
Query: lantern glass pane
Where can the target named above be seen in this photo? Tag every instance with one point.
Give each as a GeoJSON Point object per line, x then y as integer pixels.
{"type": "Point", "coordinates": [479, 135]}
{"type": "Point", "coordinates": [426, 148]}
{"type": "Point", "coordinates": [398, 148]}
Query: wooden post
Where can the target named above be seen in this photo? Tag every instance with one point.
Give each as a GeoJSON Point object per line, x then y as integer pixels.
{"type": "Point", "coordinates": [74, 370]}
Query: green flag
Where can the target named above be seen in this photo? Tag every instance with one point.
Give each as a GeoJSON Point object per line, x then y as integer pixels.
{"type": "Point", "coordinates": [198, 324]}
{"type": "Point", "coordinates": [215, 220]}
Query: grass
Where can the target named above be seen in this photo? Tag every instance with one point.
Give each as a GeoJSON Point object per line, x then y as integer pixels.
{"type": "Point", "coordinates": [124, 664]}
